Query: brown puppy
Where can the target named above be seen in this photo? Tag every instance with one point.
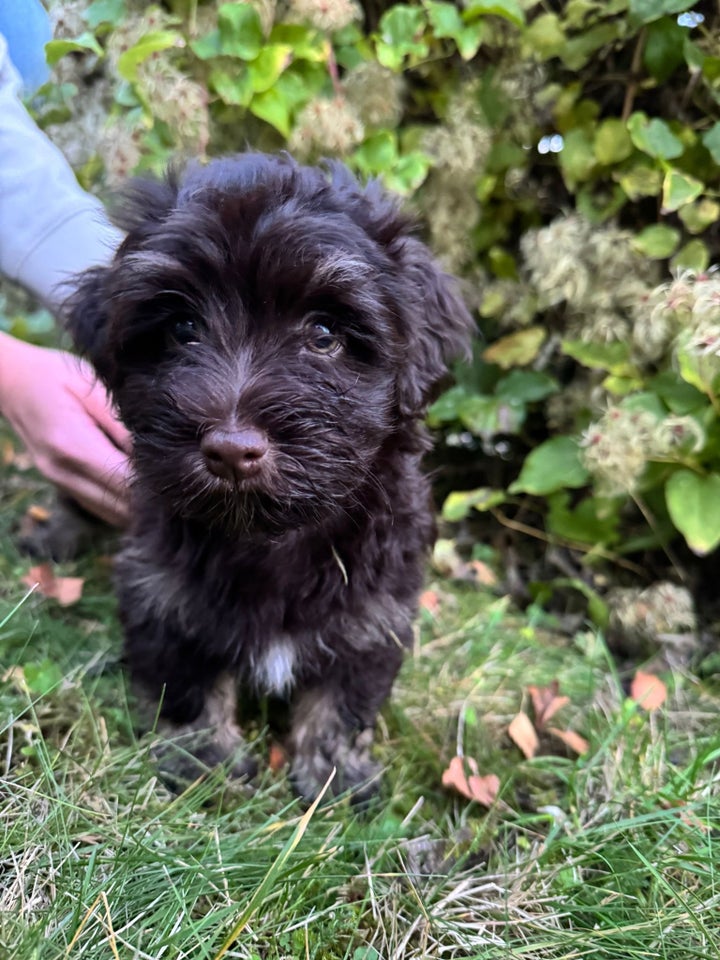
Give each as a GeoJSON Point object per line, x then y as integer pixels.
{"type": "Point", "coordinates": [272, 335]}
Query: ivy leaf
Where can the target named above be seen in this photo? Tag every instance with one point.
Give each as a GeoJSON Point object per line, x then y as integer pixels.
{"type": "Point", "coordinates": [554, 465]}
{"type": "Point", "coordinates": [459, 503]}
{"type": "Point", "coordinates": [377, 153]}
{"type": "Point", "coordinates": [401, 31]}
{"type": "Point", "coordinates": [104, 11]}
{"type": "Point", "coordinates": [407, 173]}
{"type": "Point", "coordinates": [508, 9]}
{"type": "Point", "coordinates": [663, 52]}
{"type": "Point", "coordinates": [55, 49]}
{"type": "Point", "coordinates": [697, 217]}
{"type": "Point", "coordinates": [516, 349]}
{"type": "Point", "coordinates": [679, 189]}
{"type": "Point", "coordinates": [657, 241]}
{"type": "Point", "coordinates": [272, 107]}
{"type": "Point", "coordinates": [306, 43]}
{"type": "Point", "coordinates": [148, 44]}
{"type": "Point", "coordinates": [612, 142]}
{"type": "Point", "coordinates": [527, 386]}
{"type": "Point", "coordinates": [693, 256]}
{"type": "Point", "coordinates": [693, 503]}
{"type": "Point", "coordinates": [654, 137]}
{"type": "Point", "coordinates": [265, 69]}
{"type": "Point", "coordinates": [577, 157]}
{"type": "Point", "coordinates": [233, 88]}
{"type": "Point", "coordinates": [613, 357]}
{"type": "Point", "coordinates": [546, 35]}
{"type": "Point", "coordinates": [240, 31]}
{"type": "Point", "coordinates": [648, 10]}
{"type": "Point", "coordinates": [711, 139]}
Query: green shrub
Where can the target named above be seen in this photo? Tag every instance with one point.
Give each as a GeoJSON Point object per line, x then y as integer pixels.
{"type": "Point", "coordinates": [563, 155]}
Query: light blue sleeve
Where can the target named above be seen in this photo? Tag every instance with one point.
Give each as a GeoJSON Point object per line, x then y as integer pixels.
{"type": "Point", "coordinates": [50, 228]}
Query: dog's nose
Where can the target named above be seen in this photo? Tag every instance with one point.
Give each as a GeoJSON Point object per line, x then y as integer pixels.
{"type": "Point", "coordinates": [234, 454]}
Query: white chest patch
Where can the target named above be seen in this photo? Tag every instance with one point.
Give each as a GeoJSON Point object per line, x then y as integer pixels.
{"type": "Point", "coordinates": [274, 669]}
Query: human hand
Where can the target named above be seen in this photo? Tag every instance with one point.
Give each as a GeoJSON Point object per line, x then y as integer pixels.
{"type": "Point", "coordinates": [63, 415]}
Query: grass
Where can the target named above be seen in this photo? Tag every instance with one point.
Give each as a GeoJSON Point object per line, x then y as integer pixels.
{"type": "Point", "coordinates": [612, 855]}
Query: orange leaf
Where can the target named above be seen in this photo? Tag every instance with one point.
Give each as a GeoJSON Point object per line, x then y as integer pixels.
{"type": "Point", "coordinates": [277, 757]}
{"type": "Point", "coordinates": [546, 702]}
{"type": "Point", "coordinates": [482, 573]}
{"type": "Point", "coordinates": [648, 690]}
{"type": "Point", "coordinates": [571, 739]}
{"type": "Point", "coordinates": [483, 789]}
{"type": "Point", "coordinates": [522, 733]}
{"type": "Point", "coordinates": [430, 601]}
{"type": "Point", "coordinates": [66, 590]}
{"type": "Point", "coordinates": [39, 513]}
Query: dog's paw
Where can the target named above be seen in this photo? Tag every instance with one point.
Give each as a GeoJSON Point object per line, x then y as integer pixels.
{"type": "Point", "coordinates": [184, 753]}
{"type": "Point", "coordinates": [356, 773]}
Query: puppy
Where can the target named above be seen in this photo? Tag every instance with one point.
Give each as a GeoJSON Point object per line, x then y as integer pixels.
{"type": "Point", "coordinates": [272, 335]}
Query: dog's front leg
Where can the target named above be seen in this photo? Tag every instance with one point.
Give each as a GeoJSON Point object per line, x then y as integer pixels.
{"type": "Point", "coordinates": [190, 704]}
{"type": "Point", "coordinates": [333, 726]}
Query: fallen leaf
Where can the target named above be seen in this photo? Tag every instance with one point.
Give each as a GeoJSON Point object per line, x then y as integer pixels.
{"type": "Point", "coordinates": [546, 702]}
{"type": "Point", "coordinates": [648, 690]}
{"type": "Point", "coordinates": [8, 453]}
{"type": "Point", "coordinates": [66, 590]}
{"type": "Point", "coordinates": [430, 601]}
{"type": "Point", "coordinates": [482, 573]}
{"type": "Point", "coordinates": [483, 789]}
{"type": "Point", "coordinates": [522, 733]}
{"type": "Point", "coordinates": [22, 461]}
{"type": "Point", "coordinates": [571, 739]}
{"type": "Point", "coordinates": [38, 513]}
{"type": "Point", "coordinates": [277, 757]}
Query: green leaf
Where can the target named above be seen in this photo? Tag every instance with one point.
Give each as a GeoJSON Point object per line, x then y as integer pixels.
{"type": "Point", "coordinates": [612, 142]}
{"type": "Point", "coordinates": [657, 241]}
{"type": "Point", "coordinates": [407, 173]}
{"type": "Point", "coordinates": [265, 69]}
{"type": "Point", "coordinates": [55, 49]}
{"type": "Point", "coordinates": [697, 217]}
{"type": "Point", "coordinates": [401, 30]}
{"type": "Point", "coordinates": [447, 407]}
{"type": "Point", "coordinates": [233, 88]}
{"type": "Point", "coordinates": [42, 677]}
{"type": "Point", "coordinates": [711, 139]}
{"type": "Point", "coordinates": [104, 11]}
{"type": "Point", "coordinates": [663, 51]}
{"type": "Point", "coordinates": [306, 43]}
{"type": "Point", "coordinates": [648, 10]}
{"type": "Point", "coordinates": [613, 357]}
{"type": "Point", "coordinates": [150, 43]}
{"type": "Point", "coordinates": [508, 9]}
{"type": "Point", "coordinates": [377, 153]}
{"type": "Point", "coordinates": [546, 35]}
{"type": "Point", "coordinates": [516, 349]}
{"type": "Point", "coordinates": [640, 180]}
{"type": "Point", "coordinates": [458, 504]}
{"type": "Point", "coordinates": [594, 520]}
{"type": "Point", "coordinates": [489, 416]}
{"type": "Point", "coordinates": [577, 157]}
{"type": "Point", "coordinates": [554, 465]}
{"type": "Point", "coordinates": [527, 386]}
{"type": "Point", "coordinates": [240, 30]}
{"type": "Point", "coordinates": [468, 42]}
{"type": "Point", "coordinates": [654, 137]}
{"type": "Point", "coordinates": [678, 396]}
{"type": "Point", "coordinates": [272, 107]}
{"type": "Point", "coordinates": [208, 46]}
{"type": "Point", "coordinates": [679, 189]}
{"type": "Point", "coordinates": [578, 51]}
{"type": "Point", "coordinates": [693, 256]}
{"type": "Point", "coordinates": [693, 503]}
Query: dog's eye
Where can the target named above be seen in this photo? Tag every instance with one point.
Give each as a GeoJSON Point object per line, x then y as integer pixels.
{"type": "Point", "coordinates": [185, 330]}
{"type": "Point", "coordinates": [321, 339]}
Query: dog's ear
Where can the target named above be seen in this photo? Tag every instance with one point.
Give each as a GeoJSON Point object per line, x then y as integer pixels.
{"type": "Point", "coordinates": [85, 318]}
{"type": "Point", "coordinates": [438, 325]}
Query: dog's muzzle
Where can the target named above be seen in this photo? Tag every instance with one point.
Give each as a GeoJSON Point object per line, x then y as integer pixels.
{"type": "Point", "coordinates": [234, 454]}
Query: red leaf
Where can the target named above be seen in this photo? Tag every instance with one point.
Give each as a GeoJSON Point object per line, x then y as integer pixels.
{"type": "Point", "coordinates": [522, 733]}
{"type": "Point", "coordinates": [546, 702]}
{"type": "Point", "coordinates": [571, 739]}
{"type": "Point", "coordinates": [483, 789]}
{"type": "Point", "coordinates": [66, 590]}
{"type": "Point", "coordinates": [648, 690]}
{"type": "Point", "coordinates": [430, 601]}
{"type": "Point", "coordinates": [277, 757]}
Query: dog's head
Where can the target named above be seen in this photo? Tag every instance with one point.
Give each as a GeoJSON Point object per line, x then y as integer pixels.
{"type": "Point", "coordinates": [265, 330]}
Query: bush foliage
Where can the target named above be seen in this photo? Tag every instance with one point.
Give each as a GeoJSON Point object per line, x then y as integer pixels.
{"type": "Point", "coordinates": [564, 156]}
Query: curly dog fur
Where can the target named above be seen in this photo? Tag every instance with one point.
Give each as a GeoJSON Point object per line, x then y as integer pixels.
{"type": "Point", "coordinates": [272, 335]}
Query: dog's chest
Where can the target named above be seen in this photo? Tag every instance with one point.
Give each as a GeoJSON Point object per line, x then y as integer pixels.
{"type": "Point", "coordinates": [273, 668]}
